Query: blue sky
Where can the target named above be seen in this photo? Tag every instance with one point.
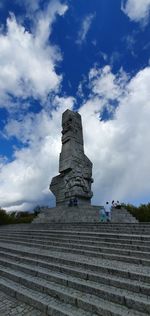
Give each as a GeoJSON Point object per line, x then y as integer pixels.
{"type": "Point", "coordinates": [90, 56]}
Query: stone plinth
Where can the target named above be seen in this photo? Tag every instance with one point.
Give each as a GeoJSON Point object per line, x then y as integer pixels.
{"type": "Point", "coordinates": [81, 214]}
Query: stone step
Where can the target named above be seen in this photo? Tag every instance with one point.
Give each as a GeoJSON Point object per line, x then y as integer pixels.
{"type": "Point", "coordinates": [77, 225]}
{"type": "Point", "coordinates": [63, 274]}
{"type": "Point", "coordinates": [77, 239]}
{"type": "Point", "coordinates": [136, 250]}
{"type": "Point", "coordinates": [44, 302]}
{"type": "Point", "coordinates": [46, 260]}
{"type": "Point", "coordinates": [85, 272]}
{"type": "Point", "coordinates": [129, 256]}
{"type": "Point", "coordinates": [82, 243]}
{"type": "Point", "coordinates": [91, 228]}
{"type": "Point", "coordinates": [86, 235]}
{"type": "Point", "coordinates": [80, 294]}
{"type": "Point", "coordinates": [73, 234]}
{"type": "Point", "coordinates": [88, 251]}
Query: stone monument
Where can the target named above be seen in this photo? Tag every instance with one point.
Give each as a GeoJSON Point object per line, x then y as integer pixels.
{"type": "Point", "coordinates": [75, 178]}
{"type": "Point", "coordinates": [74, 181]}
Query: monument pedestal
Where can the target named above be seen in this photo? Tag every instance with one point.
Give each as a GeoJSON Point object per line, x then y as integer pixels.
{"type": "Point", "coordinates": [86, 214]}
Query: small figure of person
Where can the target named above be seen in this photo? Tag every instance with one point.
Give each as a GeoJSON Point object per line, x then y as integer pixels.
{"type": "Point", "coordinates": [102, 215]}
{"type": "Point", "coordinates": [70, 203]}
{"type": "Point", "coordinates": [113, 204]}
{"type": "Point", "coordinates": [108, 211]}
{"type": "Point", "coordinates": [118, 205]}
{"type": "Point", "coordinates": [75, 201]}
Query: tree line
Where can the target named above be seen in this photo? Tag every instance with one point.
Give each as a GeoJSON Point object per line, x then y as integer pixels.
{"type": "Point", "coordinates": [17, 217]}
{"type": "Point", "coordinates": [141, 213]}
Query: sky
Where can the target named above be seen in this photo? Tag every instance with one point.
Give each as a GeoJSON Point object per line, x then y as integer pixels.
{"type": "Point", "coordinates": [87, 56]}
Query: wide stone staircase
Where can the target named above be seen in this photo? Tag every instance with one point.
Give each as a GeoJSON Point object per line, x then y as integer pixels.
{"type": "Point", "coordinates": [78, 269]}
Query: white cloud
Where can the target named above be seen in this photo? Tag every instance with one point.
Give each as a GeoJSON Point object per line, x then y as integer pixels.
{"type": "Point", "coordinates": [27, 61]}
{"type": "Point", "coordinates": [137, 10]}
{"type": "Point", "coordinates": [86, 24]}
{"type": "Point", "coordinates": [24, 182]}
{"type": "Point", "coordinates": [104, 83]}
{"type": "Point", "coordinates": [119, 148]}
{"type": "Point", "coordinates": [31, 6]}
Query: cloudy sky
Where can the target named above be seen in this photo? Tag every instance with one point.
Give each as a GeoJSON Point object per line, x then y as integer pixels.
{"type": "Point", "coordinates": [89, 56]}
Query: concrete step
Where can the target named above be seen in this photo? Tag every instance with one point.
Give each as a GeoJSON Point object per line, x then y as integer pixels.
{"type": "Point", "coordinates": [55, 307]}
{"type": "Point", "coordinates": [129, 257]}
{"type": "Point", "coordinates": [82, 243]}
{"type": "Point", "coordinates": [137, 251]}
{"type": "Point", "coordinates": [123, 254]}
{"type": "Point", "coordinates": [80, 294]}
{"type": "Point", "coordinates": [85, 228]}
{"type": "Point", "coordinates": [74, 272]}
{"type": "Point", "coordinates": [62, 274]}
{"type": "Point", "coordinates": [76, 267]}
{"type": "Point", "coordinates": [96, 227]}
{"type": "Point", "coordinates": [76, 261]}
{"type": "Point", "coordinates": [76, 234]}
{"type": "Point", "coordinates": [44, 302]}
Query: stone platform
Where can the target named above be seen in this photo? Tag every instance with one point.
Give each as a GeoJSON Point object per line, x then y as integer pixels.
{"type": "Point", "coordinates": [75, 269]}
{"type": "Point", "coordinates": [81, 214]}
{"type": "Point", "coordinates": [69, 214]}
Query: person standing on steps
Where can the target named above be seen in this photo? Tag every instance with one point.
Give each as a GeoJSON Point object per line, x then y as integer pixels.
{"type": "Point", "coordinates": [108, 211]}
{"type": "Point", "coordinates": [113, 204]}
{"type": "Point", "coordinates": [102, 215]}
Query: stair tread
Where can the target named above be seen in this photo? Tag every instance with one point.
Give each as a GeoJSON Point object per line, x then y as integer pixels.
{"type": "Point", "coordinates": [71, 291]}
{"type": "Point", "coordinates": [76, 248]}
{"type": "Point", "coordinates": [62, 275]}
{"type": "Point", "coordinates": [75, 258]}
{"type": "Point", "coordinates": [70, 243]}
{"type": "Point", "coordinates": [68, 308]}
{"type": "Point", "coordinates": [46, 299]}
{"type": "Point", "coordinates": [101, 270]}
{"type": "Point", "coordinates": [81, 233]}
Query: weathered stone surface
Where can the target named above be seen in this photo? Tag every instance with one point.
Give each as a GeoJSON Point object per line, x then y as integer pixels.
{"type": "Point", "coordinates": [75, 168]}
{"type": "Point", "coordinates": [60, 214]}
{"type": "Point", "coordinates": [75, 270]}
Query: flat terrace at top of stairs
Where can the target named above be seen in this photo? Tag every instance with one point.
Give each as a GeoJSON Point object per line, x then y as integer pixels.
{"type": "Point", "coordinates": [81, 213]}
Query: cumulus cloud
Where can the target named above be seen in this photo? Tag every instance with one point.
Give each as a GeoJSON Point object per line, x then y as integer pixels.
{"type": "Point", "coordinates": [119, 147]}
{"type": "Point", "coordinates": [24, 182]}
{"type": "Point", "coordinates": [86, 24]}
{"type": "Point", "coordinates": [31, 6]}
{"type": "Point", "coordinates": [137, 10]}
{"type": "Point", "coordinates": [27, 61]}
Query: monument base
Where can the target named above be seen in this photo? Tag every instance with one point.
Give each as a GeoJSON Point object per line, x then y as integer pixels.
{"type": "Point", "coordinates": [81, 214]}
{"type": "Point", "coordinates": [75, 214]}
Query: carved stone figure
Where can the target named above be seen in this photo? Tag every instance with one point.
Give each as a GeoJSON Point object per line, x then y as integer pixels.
{"type": "Point", "coordinates": [75, 178]}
